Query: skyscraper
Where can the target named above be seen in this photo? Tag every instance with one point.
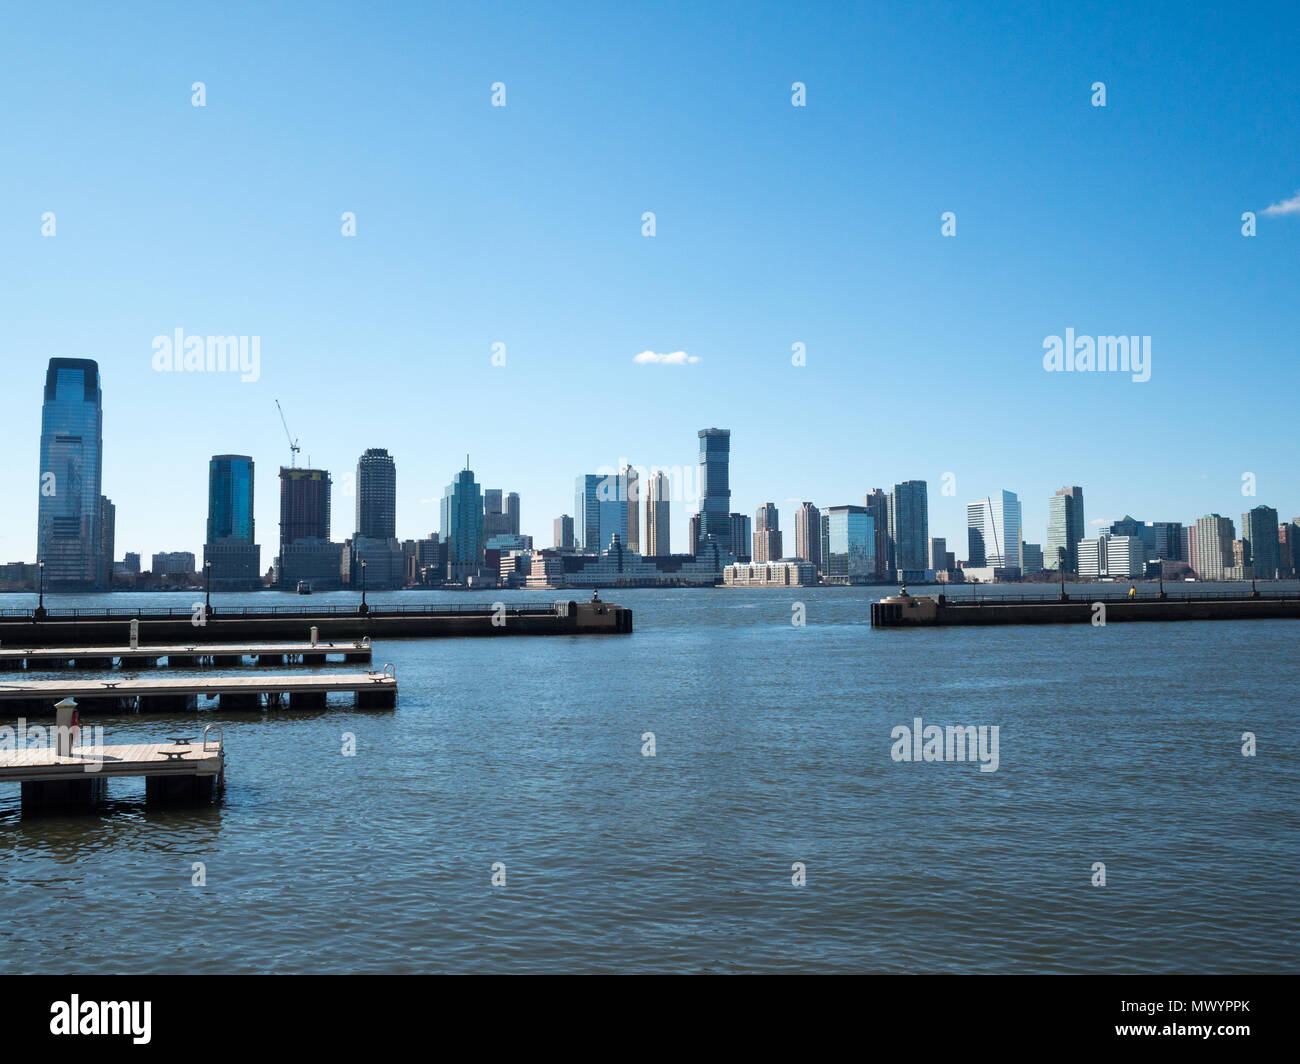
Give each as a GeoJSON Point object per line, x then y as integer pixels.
{"type": "Point", "coordinates": [632, 486]}
{"type": "Point", "coordinates": [376, 495]}
{"type": "Point", "coordinates": [1259, 529]}
{"type": "Point", "coordinates": [993, 531]}
{"type": "Point", "coordinates": [738, 527]}
{"type": "Point", "coordinates": [852, 540]}
{"type": "Point", "coordinates": [512, 512]}
{"type": "Point", "coordinates": [767, 534]}
{"type": "Point", "coordinates": [600, 510]}
{"type": "Point", "coordinates": [306, 551]}
{"type": "Point", "coordinates": [715, 489]}
{"type": "Point", "coordinates": [1064, 530]}
{"type": "Point", "coordinates": [877, 504]}
{"type": "Point", "coordinates": [564, 531]}
{"type": "Point", "coordinates": [230, 546]}
{"type": "Point", "coordinates": [462, 525]}
{"type": "Point", "coordinates": [107, 532]}
{"type": "Point", "coordinates": [1214, 536]}
{"type": "Point", "coordinates": [808, 534]}
{"type": "Point", "coordinates": [909, 526]}
{"type": "Point", "coordinates": [657, 533]}
{"type": "Point", "coordinates": [68, 536]}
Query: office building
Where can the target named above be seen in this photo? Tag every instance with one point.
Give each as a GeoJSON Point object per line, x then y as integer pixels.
{"type": "Point", "coordinates": [1065, 528]}
{"type": "Point", "coordinates": [877, 504]}
{"type": "Point", "coordinates": [1110, 555]}
{"type": "Point", "coordinates": [738, 534]}
{"type": "Point", "coordinates": [909, 526]}
{"type": "Point", "coordinates": [632, 493]}
{"type": "Point", "coordinates": [852, 542]}
{"type": "Point", "coordinates": [104, 544]}
{"type": "Point", "coordinates": [715, 490]}
{"type": "Point", "coordinates": [808, 535]}
{"type": "Point", "coordinates": [938, 560]}
{"type": "Point", "coordinates": [307, 554]}
{"type": "Point", "coordinates": [376, 495]}
{"type": "Point", "coordinates": [993, 533]}
{"type": "Point", "coordinates": [462, 525]}
{"type": "Point", "coordinates": [68, 536]}
{"type": "Point", "coordinates": [230, 546]}
{"type": "Point", "coordinates": [1031, 559]}
{"type": "Point", "coordinates": [564, 532]}
{"type": "Point", "coordinates": [173, 563]}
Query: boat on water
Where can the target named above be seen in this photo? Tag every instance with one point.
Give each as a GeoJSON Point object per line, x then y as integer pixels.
{"type": "Point", "coordinates": [304, 587]}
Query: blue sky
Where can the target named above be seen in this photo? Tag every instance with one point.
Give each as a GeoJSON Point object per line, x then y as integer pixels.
{"type": "Point", "coordinates": [775, 225]}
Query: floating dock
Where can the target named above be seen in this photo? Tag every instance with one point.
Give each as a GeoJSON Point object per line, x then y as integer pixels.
{"type": "Point", "coordinates": [87, 628]}
{"type": "Point", "coordinates": [170, 694]}
{"type": "Point", "coordinates": [192, 655]}
{"type": "Point", "coordinates": [938, 611]}
{"type": "Point", "coordinates": [178, 772]}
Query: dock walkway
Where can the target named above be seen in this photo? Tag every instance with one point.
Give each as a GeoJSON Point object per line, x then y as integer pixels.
{"type": "Point", "coordinates": [183, 655]}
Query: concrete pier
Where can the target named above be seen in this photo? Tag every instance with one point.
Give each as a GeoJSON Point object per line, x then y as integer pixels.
{"type": "Point", "coordinates": [936, 611]}
{"type": "Point", "coordinates": [82, 629]}
{"type": "Point", "coordinates": [179, 694]}
{"type": "Point", "coordinates": [174, 773]}
{"type": "Point", "coordinates": [182, 656]}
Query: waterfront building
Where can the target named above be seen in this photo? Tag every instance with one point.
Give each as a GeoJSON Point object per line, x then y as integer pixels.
{"type": "Point", "coordinates": [1126, 526]}
{"type": "Point", "coordinates": [796, 573]}
{"type": "Point", "coordinates": [657, 531]}
{"type": "Point", "coordinates": [767, 534]}
{"type": "Point", "coordinates": [68, 536]}
{"type": "Point", "coordinates": [938, 554]}
{"type": "Point", "coordinates": [512, 512]}
{"type": "Point", "coordinates": [376, 495]}
{"type": "Point", "coordinates": [1214, 536]}
{"type": "Point", "coordinates": [500, 513]}
{"type": "Point", "coordinates": [564, 532]}
{"type": "Point", "coordinates": [738, 530]}
{"type": "Point", "coordinates": [632, 495]}
{"type": "Point", "coordinates": [993, 532]}
{"type": "Point", "coordinates": [230, 546]}
{"type": "Point", "coordinates": [693, 531]}
{"type": "Point", "coordinates": [1288, 549]}
{"type": "Point", "coordinates": [1031, 559]}
{"type": "Point", "coordinates": [313, 561]}
{"type": "Point", "coordinates": [173, 563]}
{"type": "Point", "coordinates": [384, 561]}
{"type": "Point", "coordinates": [462, 525]}
{"type": "Point", "coordinates": [1259, 531]}
{"type": "Point", "coordinates": [1164, 540]}
{"type": "Point", "coordinates": [306, 551]}
{"type": "Point", "coordinates": [808, 534]}
{"type": "Point", "coordinates": [104, 545]}
{"type": "Point", "coordinates": [601, 510]}
{"type": "Point", "coordinates": [852, 535]}
{"type": "Point", "coordinates": [1065, 528]}
{"type": "Point", "coordinates": [877, 504]}
{"type": "Point", "coordinates": [909, 526]}
{"type": "Point", "coordinates": [715, 490]}
{"type": "Point", "coordinates": [826, 540]}
{"type": "Point", "coordinates": [618, 567]}
{"type": "Point", "coordinates": [1110, 555]}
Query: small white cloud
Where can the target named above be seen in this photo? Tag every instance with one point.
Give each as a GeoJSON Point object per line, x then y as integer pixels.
{"type": "Point", "coordinates": [673, 358]}
{"type": "Point", "coordinates": [1287, 206]}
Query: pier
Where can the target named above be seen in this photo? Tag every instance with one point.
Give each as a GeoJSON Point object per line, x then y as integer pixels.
{"type": "Point", "coordinates": [171, 694]}
{"type": "Point", "coordinates": [179, 772]}
{"type": "Point", "coordinates": [937, 611]}
{"type": "Point", "coordinates": [112, 627]}
{"type": "Point", "coordinates": [192, 655]}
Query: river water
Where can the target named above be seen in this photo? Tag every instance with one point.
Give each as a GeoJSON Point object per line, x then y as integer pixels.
{"type": "Point", "coordinates": [772, 748]}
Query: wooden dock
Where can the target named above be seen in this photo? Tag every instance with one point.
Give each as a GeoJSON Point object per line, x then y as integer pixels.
{"type": "Point", "coordinates": [184, 655]}
{"type": "Point", "coordinates": [168, 694]}
{"type": "Point", "coordinates": [176, 772]}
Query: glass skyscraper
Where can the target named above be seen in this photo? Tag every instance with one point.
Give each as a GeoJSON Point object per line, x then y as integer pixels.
{"type": "Point", "coordinates": [851, 543]}
{"type": "Point", "coordinates": [376, 494]}
{"type": "Point", "coordinates": [230, 547]}
{"type": "Point", "coordinates": [993, 531]}
{"type": "Point", "coordinates": [462, 525]}
{"type": "Point", "coordinates": [1064, 529]}
{"type": "Point", "coordinates": [909, 526]}
{"type": "Point", "coordinates": [600, 510]}
{"type": "Point", "coordinates": [68, 536]}
{"type": "Point", "coordinates": [715, 491]}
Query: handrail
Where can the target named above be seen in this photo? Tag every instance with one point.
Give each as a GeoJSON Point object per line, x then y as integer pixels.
{"type": "Point", "coordinates": [221, 741]}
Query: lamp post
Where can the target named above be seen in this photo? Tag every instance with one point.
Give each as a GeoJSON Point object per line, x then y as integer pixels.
{"type": "Point", "coordinates": [39, 615]}
{"type": "Point", "coordinates": [207, 593]}
{"type": "Point", "coordinates": [364, 607]}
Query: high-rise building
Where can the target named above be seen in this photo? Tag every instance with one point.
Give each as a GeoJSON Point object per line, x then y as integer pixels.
{"type": "Point", "coordinates": [808, 534]}
{"type": "Point", "coordinates": [564, 532]}
{"type": "Point", "coordinates": [852, 541]}
{"type": "Point", "coordinates": [738, 528]}
{"type": "Point", "coordinates": [657, 532]}
{"type": "Point", "coordinates": [376, 494]}
{"type": "Point", "coordinates": [826, 542]}
{"type": "Point", "coordinates": [462, 525]}
{"type": "Point", "coordinates": [68, 536]}
{"type": "Point", "coordinates": [1214, 536]}
{"type": "Point", "coordinates": [909, 526]}
{"type": "Point", "coordinates": [512, 512]}
{"type": "Point", "coordinates": [715, 490]}
{"type": "Point", "coordinates": [1259, 530]}
{"type": "Point", "coordinates": [632, 487]}
{"type": "Point", "coordinates": [1126, 526]}
{"type": "Point", "coordinates": [497, 518]}
{"type": "Point", "coordinates": [1110, 555]}
{"type": "Point", "coordinates": [230, 546]}
{"type": "Point", "coordinates": [993, 533]}
{"type": "Point", "coordinates": [1163, 540]}
{"type": "Point", "coordinates": [1031, 558]}
{"type": "Point", "coordinates": [600, 510]}
{"type": "Point", "coordinates": [877, 504]}
{"type": "Point", "coordinates": [938, 554]}
{"type": "Point", "coordinates": [1064, 529]}
{"type": "Point", "coordinates": [104, 546]}
{"type": "Point", "coordinates": [1288, 543]}
{"type": "Point", "coordinates": [307, 554]}
{"type": "Point", "coordinates": [767, 534]}
{"type": "Point", "coordinates": [693, 533]}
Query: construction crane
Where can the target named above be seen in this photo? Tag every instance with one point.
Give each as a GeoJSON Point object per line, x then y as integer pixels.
{"type": "Point", "coordinates": [293, 444]}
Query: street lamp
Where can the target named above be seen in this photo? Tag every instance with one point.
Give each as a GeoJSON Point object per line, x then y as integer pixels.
{"type": "Point", "coordinates": [364, 607]}
{"type": "Point", "coordinates": [207, 594]}
{"type": "Point", "coordinates": [39, 615]}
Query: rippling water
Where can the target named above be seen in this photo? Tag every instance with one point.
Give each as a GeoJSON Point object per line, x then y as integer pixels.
{"type": "Point", "coordinates": [1119, 744]}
